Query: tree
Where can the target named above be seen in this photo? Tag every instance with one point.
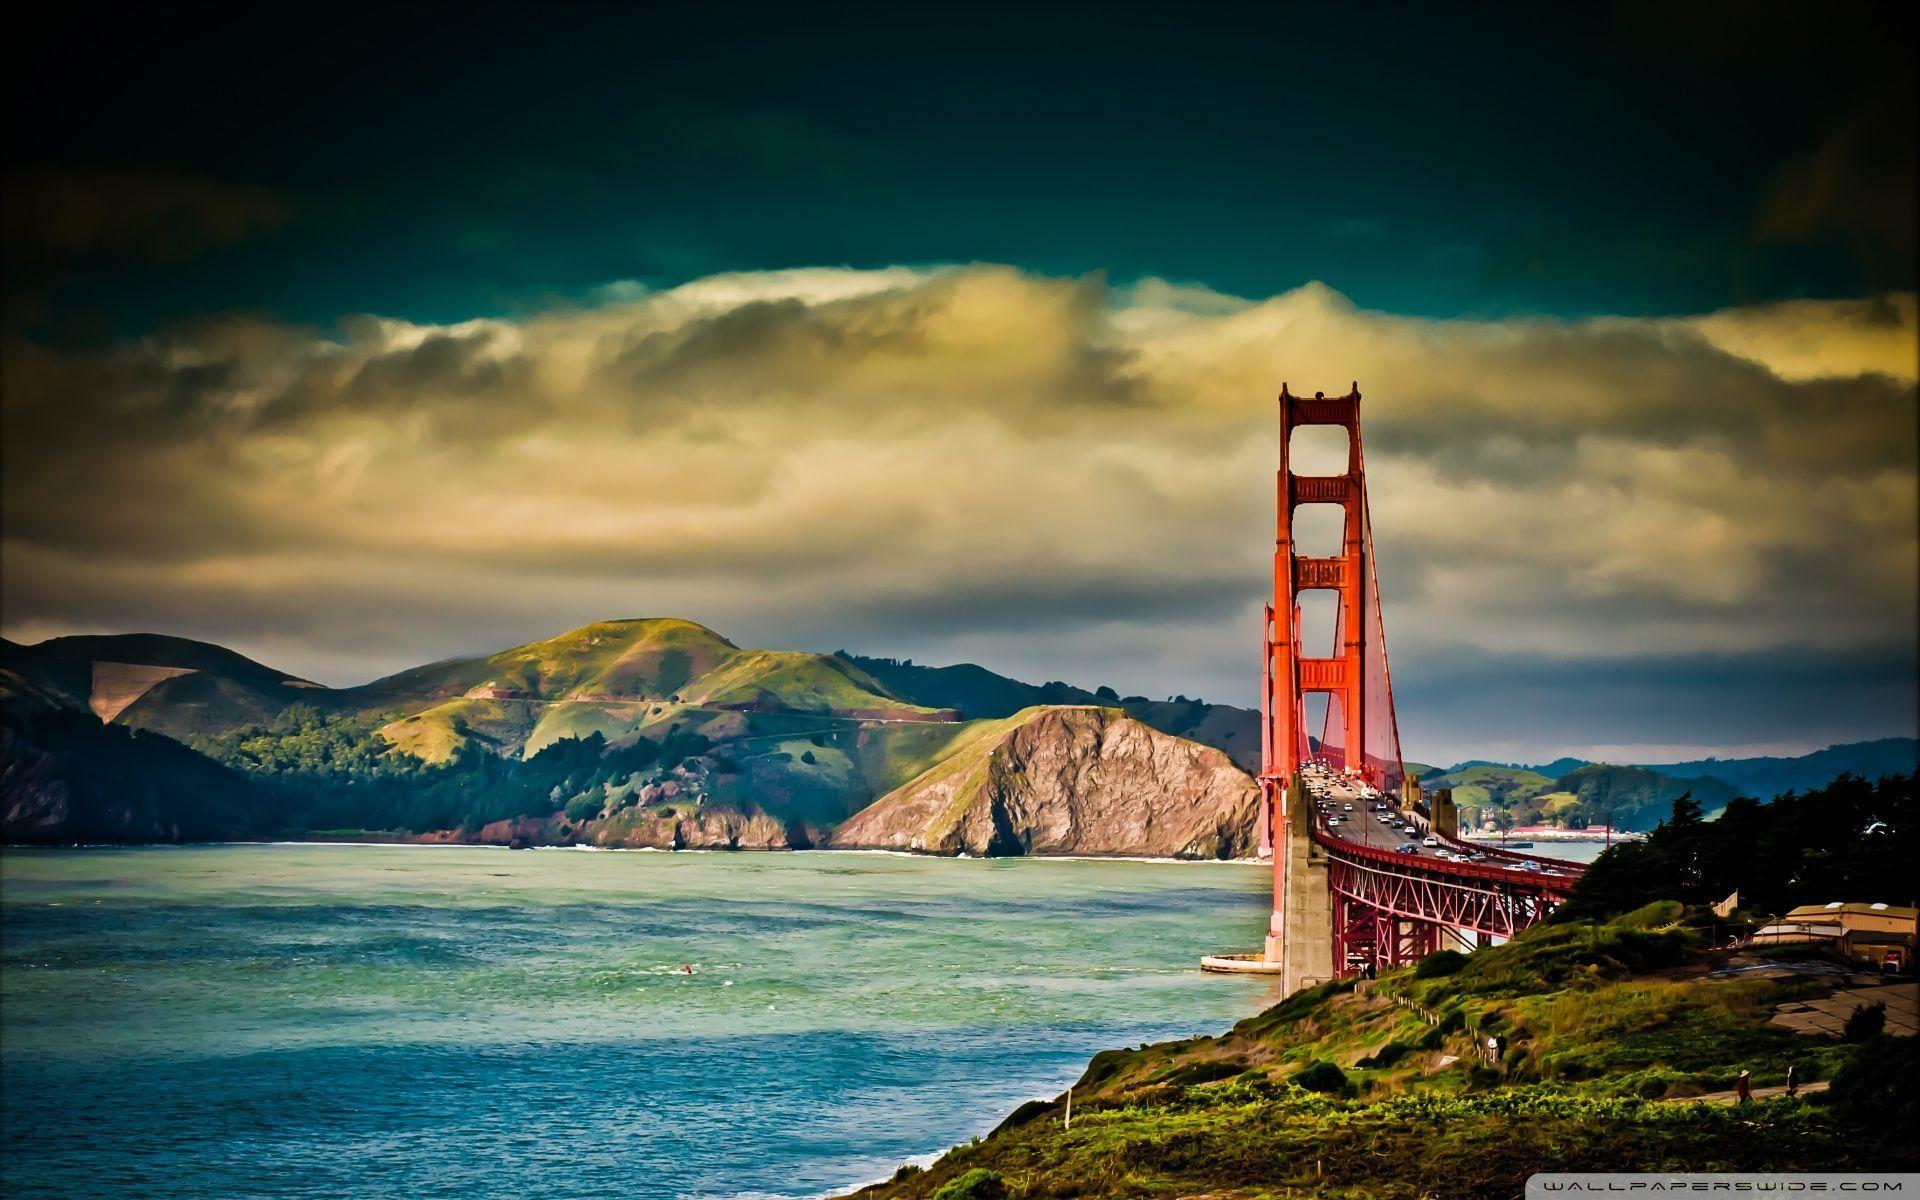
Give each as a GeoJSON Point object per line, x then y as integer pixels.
{"type": "Point", "coordinates": [1850, 840]}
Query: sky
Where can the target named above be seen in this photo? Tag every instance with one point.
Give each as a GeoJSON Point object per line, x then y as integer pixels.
{"type": "Point", "coordinates": [370, 336]}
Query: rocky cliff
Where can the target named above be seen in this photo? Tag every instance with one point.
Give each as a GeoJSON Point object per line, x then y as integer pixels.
{"type": "Point", "coordinates": [1068, 780]}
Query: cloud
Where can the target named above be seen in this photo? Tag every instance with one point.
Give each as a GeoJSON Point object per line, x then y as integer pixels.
{"type": "Point", "coordinates": [1049, 475]}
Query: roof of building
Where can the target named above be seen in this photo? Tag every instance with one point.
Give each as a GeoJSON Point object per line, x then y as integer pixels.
{"type": "Point", "coordinates": [1837, 908]}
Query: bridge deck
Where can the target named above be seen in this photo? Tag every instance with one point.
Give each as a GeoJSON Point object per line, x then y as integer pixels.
{"type": "Point", "coordinates": [1361, 837]}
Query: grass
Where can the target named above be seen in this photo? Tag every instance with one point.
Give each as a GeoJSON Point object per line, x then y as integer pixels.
{"type": "Point", "coordinates": [647, 657]}
{"type": "Point", "coordinates": [436, 734]}
{"type": "Point", "coordinates": [795, 681]}
{"type": "Point", "coordinates": [1344, 1092]}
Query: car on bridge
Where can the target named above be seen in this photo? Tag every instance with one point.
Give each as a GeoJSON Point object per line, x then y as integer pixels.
{"type": "Point", "coordinates": [1430, 840]}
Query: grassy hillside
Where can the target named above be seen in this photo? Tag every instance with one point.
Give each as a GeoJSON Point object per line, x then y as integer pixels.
{"type": "Point", "coordinates": [437, 734]}
{"type": "Point", "coordinates": [648, 657]}
{"type": "Point", "coordinates": [1379, 1091]}
{"type": "Point", "coordinates": [616, 678]}
{"type": "Point", "coordinates": [1485, 788]}
{"type": "Point", "coordinates": [794, 681]}
{"type": "Point", "coordinates": [1593, 794]}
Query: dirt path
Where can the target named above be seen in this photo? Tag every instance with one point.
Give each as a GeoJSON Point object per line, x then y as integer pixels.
{"type": "Point", "coordinates": [1759, 1093]}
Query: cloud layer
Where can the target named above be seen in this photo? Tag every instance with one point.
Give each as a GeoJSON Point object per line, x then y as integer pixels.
{"type": "Point", "coordinates": [1047, 475]}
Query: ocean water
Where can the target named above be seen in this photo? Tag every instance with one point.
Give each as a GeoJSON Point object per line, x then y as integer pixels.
{"type": "Point", "coordinates": [389, 1021]}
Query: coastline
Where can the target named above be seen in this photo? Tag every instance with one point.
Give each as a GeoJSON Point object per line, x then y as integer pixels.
{"type": "Point", "coordinates": [722, 850]}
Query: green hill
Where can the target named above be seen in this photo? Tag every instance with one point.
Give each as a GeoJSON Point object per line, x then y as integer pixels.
{"type": "Point", "coordinates": [643, 658]}
{"type": "Point", "coordinates": [1634, 797]}
{"type": "Point", "coordinates": [618, 678]}
{"type": "Point", "coordinates": [1380, 1090]}
{"type": "Point", "coordinates": [1593, 794]}
{"type": "Point", "coordinates": [1485, 789]}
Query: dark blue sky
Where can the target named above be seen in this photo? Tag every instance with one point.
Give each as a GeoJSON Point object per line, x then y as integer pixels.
{"type": "Point", "coordinates": [438, 163]}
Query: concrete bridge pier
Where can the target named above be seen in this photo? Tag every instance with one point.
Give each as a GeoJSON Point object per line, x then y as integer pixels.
{"type": "Point", "coordinates": [1299, 944]}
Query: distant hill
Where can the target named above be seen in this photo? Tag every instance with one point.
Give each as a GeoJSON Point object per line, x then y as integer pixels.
{"type": "Point", "coordinates": [1634, 797]}
{"type": "Point", "coordinates": [619, 678]}
{"type": "Point", "coordinates": [162, 684]}
{"type": "Point", "coordinates": [1576, 791]}
{"type": "Point", "coordinates": [1591, 794]}
{"type": "Point", "coordinates": [1552, 770]}
{"type": "Point", "coordinates": [1485, 788]}
{"type": "Point", "coordinates": [1766, 778]}
{"type": "Point", "coordinates": [655, 732]}
{"type": "Point", "coordinates": [976, 692]}
{"type": "Point", "coordinates": [662, 731]}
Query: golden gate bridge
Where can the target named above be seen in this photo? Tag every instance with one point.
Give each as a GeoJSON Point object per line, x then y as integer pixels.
{"type": "Point", "coordinates": [1350, 892]}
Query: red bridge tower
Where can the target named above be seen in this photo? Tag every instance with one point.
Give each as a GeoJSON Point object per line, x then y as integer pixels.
{"type": "Point", "coordinates": [1345, 896]}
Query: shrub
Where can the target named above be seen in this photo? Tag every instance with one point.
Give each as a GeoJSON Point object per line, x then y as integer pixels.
{"type": "Point", "coordinates": [1880, 1087]}
{"type": "Point", "coordinates": [808, 758]}
{"type": "Point", "coordinates": [1203, 1072]}
{"type": "Point", "coordinates": [1440, 964]}
{"type": "Point", "coordinates": [1866, 1022]}
{"type": "Point", "coordinates": [977, 1184]}
{"type": "Point", "coordinates": [584, 808]}
{"type": "Point", "coordinates": [1326, 1078]}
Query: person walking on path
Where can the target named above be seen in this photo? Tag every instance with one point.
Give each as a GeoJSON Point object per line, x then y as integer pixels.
{"type": "Point", "coordinates": [1793, 1083]}
{"type": "Point", "coordinates": [1743, 1087]}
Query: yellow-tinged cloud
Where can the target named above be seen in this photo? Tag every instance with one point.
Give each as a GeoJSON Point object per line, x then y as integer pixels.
{"type": "Point", "coordinates": [951, 453]}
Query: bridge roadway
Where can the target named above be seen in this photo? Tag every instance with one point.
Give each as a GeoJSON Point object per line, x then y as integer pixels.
{"type": "Point", "coordinates": [1361, 827]}
{"type": "Point", "coordinates": [1396, 898]}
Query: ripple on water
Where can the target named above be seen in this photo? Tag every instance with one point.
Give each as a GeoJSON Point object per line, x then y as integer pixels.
{"type": "Point", "coordinates": [297, 1020]}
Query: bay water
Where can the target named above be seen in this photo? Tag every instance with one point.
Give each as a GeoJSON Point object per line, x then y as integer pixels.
{"type": "Point", "coordinates": [405, 1021]}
